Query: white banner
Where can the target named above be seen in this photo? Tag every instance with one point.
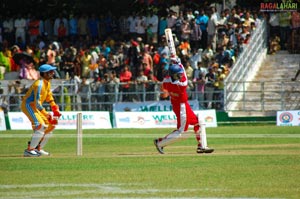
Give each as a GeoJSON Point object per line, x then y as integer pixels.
{"type": "Point", "coordinates": [2, 121]}
{"type": "Point", "coordinates": [158, 119]}
{"type": "Point", "coordinates": [154, 106]}
{"type": "Point", "coordinates": [18, 121]}
{"type": "Point", "coordinates": [90, 120]}
{"type": "Point", "coordinates": [288, 118]}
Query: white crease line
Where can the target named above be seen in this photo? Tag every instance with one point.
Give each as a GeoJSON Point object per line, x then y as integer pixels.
{"type": "Point", "coordinates": [88, 189]}
{"type": "Point", "coordinates": [59, 135]}
{"type": "Point", "coordinates": [110, 188]}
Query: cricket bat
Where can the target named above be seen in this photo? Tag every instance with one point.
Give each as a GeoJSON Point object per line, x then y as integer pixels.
{"type": "Point", "coordinates": [170, 42]}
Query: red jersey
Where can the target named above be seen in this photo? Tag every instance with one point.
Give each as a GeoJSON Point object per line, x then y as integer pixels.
{"type": "Point", "coordinates": [34, 27]}
{"type": "Point", "coordinates": [125, 77]}
{"type": "Point", "coordinates": [176, 89]}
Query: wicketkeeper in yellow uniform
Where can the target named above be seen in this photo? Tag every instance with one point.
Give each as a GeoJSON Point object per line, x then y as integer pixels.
{"type": "Point", "coordinates": [43, 123]}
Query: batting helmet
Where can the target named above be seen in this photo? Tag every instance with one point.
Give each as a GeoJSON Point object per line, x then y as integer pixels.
{"type": "Point", "coordinates": [175, 69]}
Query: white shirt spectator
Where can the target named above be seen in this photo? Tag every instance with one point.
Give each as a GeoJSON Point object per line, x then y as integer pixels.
{"type": "Point", "coordinates": [153, 22]}
{"type": "Point", "coordinates": [171, 20]}
{"type": "Point", "coordinates": [141, 25]}
{"type": "Point", "coordinates": [20, 25]}
{"type": "Point", "coordinates": [8, 25]}
{"type": "Point", "coordinates": [274, 19]}
{"type": "Point", "coordinates": [212, 24]}
{"type": "Point", "coordinates": [131, 20]}
{"type": "Point", "coordinates": [196, 58]}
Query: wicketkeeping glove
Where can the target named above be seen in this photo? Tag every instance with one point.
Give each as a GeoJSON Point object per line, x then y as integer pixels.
{"type": "Point", "coordinates": [55, 110]}
{"type": "Point", "coordinates": [54, 121]}
{"type": "Point", "coordinates": [49, 117]}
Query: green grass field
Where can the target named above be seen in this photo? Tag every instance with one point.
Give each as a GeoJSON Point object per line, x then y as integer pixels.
{"type": "Point", "coordinates": [248, 162]}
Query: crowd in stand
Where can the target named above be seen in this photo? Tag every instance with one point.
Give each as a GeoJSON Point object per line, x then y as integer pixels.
{"type": "Point", "coordinates": [100, 51]}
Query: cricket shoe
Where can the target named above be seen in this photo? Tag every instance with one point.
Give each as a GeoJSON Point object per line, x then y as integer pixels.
{"type": "Point", "coordinates": [42, 152]}
{"type": "Point", "coordinates": [31, 153]}
{"type": "Point", "coordinates": [159, 149]}
{"type": "Point", "coordinates": [204, 150]}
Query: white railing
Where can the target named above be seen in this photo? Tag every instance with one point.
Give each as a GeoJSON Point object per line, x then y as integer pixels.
{"type": "Point", "coordinates": [246, 66]}
{"type": "Point", "coordinates": [268, 96]}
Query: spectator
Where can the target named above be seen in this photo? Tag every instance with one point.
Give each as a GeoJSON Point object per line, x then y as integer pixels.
{"type": "Point", "coordinates": [274, 45]}
{"type": "Point", "coordinates": [189, 74]}
{"type": "Point", "coordinates": [48, 27]}
{"type": "Point", "coordinates": [222, 23]}
{"type": "Point", "coordinates": [140, 82]}
{"type": "Point", "coordinates": [20, 43]}
{"type": "Point", "coordinates": [233, 18]}
{"type": "Point", "coordinates": [245, 31]}
{"type": "Point", "coordinates": [199, 81]}
{"type": "Point", "coordinates": [31, 72]}
{"type": "Point", "coordinates": [73, 90]}
{"type": "Point", "coordinates": [15, 89]}
{"type": "Point", "coordinates": [178, 24]}
{"type": "Point", "coordinates": [185, 47]}
{"type": "Point", "coordinates": [207, 55]}
{"type": "Point", "coordinates": [67, 65]}
{"type": "Point", "coordinates": [274, 24]}
{"type": "Point", "coordinates": [220, 89]}
{"type": "Point", "coordinates": [113, 62]}
{"type": "Point", "coordinates": [195, 36]}
{"type": "Point", "coordinates": [8, 30]}
{"type": "Point", "coordinates": [196, 57]}
{"type": "Point", "coordinates": [132, 21]}
{"type": "Point", "coordinates": [223, 40]}
{"type": "Point", "coordinates": [141, 25]}
{"type": "Point", "coordinates": [148, 60]}
{"type": "Point", "coordinates": [98, 92]}
{"type": "Point", "coordinates": [20, 26]}
{"type": "Point", "coordinates": [92, 27]}
{"type": "Point", "coordinates": [295, 21]}
{"type": "Point", "coordinates": [112, 88]}
{"type": "Point", "coordinates": [103, 65]}
{"type": "Point", "coordinates": [171, 20]}
{"type": "Point", "coordinates": [84, 91]}
{"type": "Point", "coordinates": [202, 20]}
{"type": "Point", "coordinates": [33, 29]}
{"type": "Point", "coordinates": [133, 56]}
{"type": "Point", "coordinates": [220, 56]}
{"type": "Point", "coordinates": [52, 57]}
{"type": "Point", "coordinates": [248, 19]}
{"type": "Point", "coordinates": [85, 63]}
{"type": "Point", "coordinates": [210, 79]}
{"type": "Point", "coordinates": [151, 87]}
{"type": "Point", "coordinates": [125, 80]}
{"type": "Point", "coordinates": [58, 23]}
{"type": "Point", "coordinates": [163, 24]}
{"type": "Point", "coordinates": [82, 25]}
{"type": "Point", "coordinates": [152, 23]}
{"type": "Point", "coordinates": [124, 27]}
{"type": "Point", "coordinates": [185, 31]}
{"type": "Point", "coordinates": [73, 28]}
{"type": "Point", "coordinates": [212, 28]}
{"type": "Point", "coordinates": [189, 15]}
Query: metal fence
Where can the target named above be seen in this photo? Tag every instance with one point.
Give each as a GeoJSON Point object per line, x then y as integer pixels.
{"type": "Point", "coordinates": [102, 97]}
{"type": "Point", "coordinates": [265, 97]}
{"type": "Point", "coordinates": [268, 96]}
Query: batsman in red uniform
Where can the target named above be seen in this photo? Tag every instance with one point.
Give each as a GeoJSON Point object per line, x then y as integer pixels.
{"type": "Point", "coordinates": [176, 83]}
